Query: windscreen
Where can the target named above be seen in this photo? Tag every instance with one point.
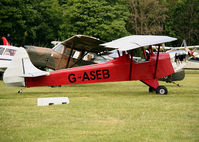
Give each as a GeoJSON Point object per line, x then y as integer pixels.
{"type": "Point", "coordinates": [1, 50]}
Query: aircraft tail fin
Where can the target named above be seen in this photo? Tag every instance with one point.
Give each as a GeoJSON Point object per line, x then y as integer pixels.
{"type": "Point", "coordinates": [5, 42]}
{"type": "Point", "coordinates": [184, 43]}
{"type": "Point", "coordinates": [19, 68]}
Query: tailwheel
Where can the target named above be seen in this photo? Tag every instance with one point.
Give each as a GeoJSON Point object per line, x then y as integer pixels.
{"type": "Point", "coordinates": [161, 90]}
{"type": "Point", "coordinates": [20, 91]}
{"type": "Point", "coordinates": [151, 90]}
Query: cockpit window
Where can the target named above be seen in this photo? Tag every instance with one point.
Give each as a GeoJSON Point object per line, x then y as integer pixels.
{"type": "Point", "coordinates": [141, 54]}
{"type": "Point", "coordinates": [59, 48]}
{"type": "Point", "coordinates": [114, 54]}
{"type": "Point", "coordinates": [138, 55]}
{"type": "Point", "coordinates": [10, 52]}
{"type": "Point", "coordinates": [67, 52]}
{"type": "Point", "coordinates": [1, 50]}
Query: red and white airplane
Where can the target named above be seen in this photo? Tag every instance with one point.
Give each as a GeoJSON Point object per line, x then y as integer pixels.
{"type": "Point", "coordinates": [7, 53]}
{"type": "Point", "coordinates": [148, 70]}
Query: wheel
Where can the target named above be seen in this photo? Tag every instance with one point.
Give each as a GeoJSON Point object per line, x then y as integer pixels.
{"type": "Point", "coordinates": [161, 90]}
{"type": "Point", "coordinates": [20, 91]}
{"type": "Point", "coordinates": [151, 90]}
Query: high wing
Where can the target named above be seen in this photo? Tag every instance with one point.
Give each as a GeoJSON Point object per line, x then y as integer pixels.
{"type": "Point", "coordinates": [92, 44]}
{"type": "Point", "coordinates": [188, 47]}
{"type": "Point", "coordinates": [136, 41]}
{"type": "Point", "coordinates": [85, 43]}
{"type": "Point", "coordinates": [193, 47]}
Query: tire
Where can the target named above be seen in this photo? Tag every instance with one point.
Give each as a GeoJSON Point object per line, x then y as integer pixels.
{"type": "Point", "coordinates": [151, 90]}
{"type": "Point", "coordinates": [161, 90]}
{"type": "Point", "coordinates": [20, 91]}
{"type": "Point", "coordinates": [1, 76]}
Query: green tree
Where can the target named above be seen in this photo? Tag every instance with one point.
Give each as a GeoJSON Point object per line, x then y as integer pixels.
{"type": "Point", "coordinates": [183, 21]}
{"type": "Point", "coordinates": [101, 19]}
{"type": "Point", "coordinates": [147, 16]}
{"type": "Point", "coordinates": [10, 18]}
{"type": "Point", "coordinates": [39, 20]}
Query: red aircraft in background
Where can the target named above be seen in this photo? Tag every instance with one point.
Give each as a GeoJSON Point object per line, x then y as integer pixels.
{"type": "Point", "coordinates": [5, 42]}
{"type": "Point", "coordinates": [148, 69]}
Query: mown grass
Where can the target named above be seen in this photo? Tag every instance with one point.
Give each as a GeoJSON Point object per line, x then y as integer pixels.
{"type": "Point", "coordinates": [122, 111]}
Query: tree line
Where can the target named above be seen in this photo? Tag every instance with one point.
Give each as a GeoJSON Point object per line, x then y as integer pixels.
{"type": "Point", "coordinates": [38, 22]}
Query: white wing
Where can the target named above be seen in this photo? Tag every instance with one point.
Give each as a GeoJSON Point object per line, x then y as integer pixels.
{"type": "Point", "coordinates": [136, 41]}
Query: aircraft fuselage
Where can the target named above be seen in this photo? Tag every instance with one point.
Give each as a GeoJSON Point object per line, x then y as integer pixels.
{"type": "Point", "coordinates": [114, 70]}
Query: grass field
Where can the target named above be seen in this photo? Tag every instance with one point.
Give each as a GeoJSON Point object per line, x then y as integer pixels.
{"type": "Point", "coordinates": [110, 112]}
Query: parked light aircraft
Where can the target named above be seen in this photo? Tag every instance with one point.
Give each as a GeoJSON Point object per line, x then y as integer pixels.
{"type": "Point", "coordinates": [6, 55]}
{"type": "Point", "coordinates": [5, 42]}
{"type": "Point", "coordinates": [192, 51]}
{"type": "Point", "coordinates": [191, 58]}
{"type": "Point", "coordinates": [21, 71]}
{"type": "Point", "coordinates": [77, 47]}
{"type": "Point", "coordinates": [57, 57]}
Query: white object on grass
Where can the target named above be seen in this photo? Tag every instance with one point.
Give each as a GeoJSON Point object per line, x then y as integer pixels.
{"type": "Point", "coordinates": [52, 101]}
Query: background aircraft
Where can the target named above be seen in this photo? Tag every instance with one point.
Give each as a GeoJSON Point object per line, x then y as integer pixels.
{"type": "Point", "coordinates": [6, 55]}
{"type": "Point", "coordinates": [193, 59]}
{"type": "Point", "coordinates": [5, 42]}
{"type": "Point", "coordinates": [190, 54]}
{"type": "Point", "coordinates": [124, 68]}
{"type": "Point", "coordinates": [192, 51]}
{"type": "Point", "coordinates": [58, 57]}
{"type": "Point", "coordinates": [80, 48]}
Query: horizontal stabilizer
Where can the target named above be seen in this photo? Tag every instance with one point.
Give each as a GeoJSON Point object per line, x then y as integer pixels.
{"type": "Point", "coordinates": [34, 74]}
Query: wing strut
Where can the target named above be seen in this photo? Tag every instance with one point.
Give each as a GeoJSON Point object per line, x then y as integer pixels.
{"type": "Point", "coordinates": [130, 72]}
{"type": "Point", "coordinates": [156, 65]}
{"type": "Point", "coordinates": [71, 51]}
{"type": "Point", "coordinates": [79, 60]}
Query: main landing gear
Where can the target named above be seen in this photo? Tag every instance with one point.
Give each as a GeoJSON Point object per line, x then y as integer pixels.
{"type": "Point", "coordinates": [155, 87]}
{"type": "Point", "coordinates": [162, 90]}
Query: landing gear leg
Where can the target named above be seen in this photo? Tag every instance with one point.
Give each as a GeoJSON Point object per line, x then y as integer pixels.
{"type": "Point", "coordinates": [151, 89]}
{"type": "Point", "coordinates": [153, 84]}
